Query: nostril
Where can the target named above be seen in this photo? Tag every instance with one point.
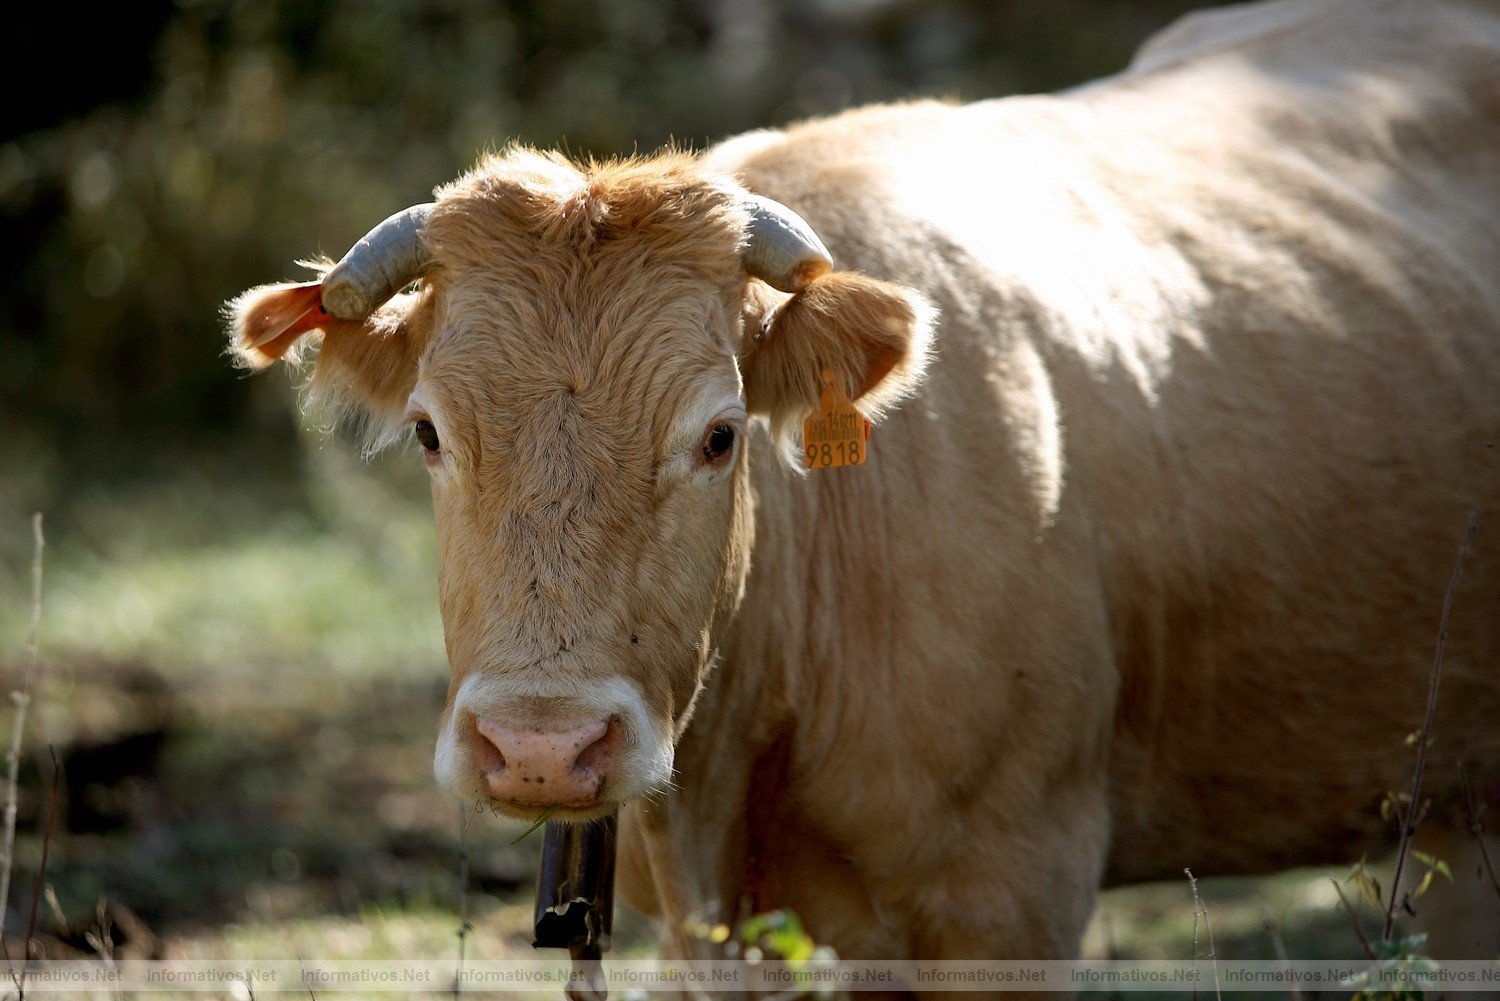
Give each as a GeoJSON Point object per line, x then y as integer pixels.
{"type": "Point", "coordinates": [488, 754]}
{"type": "Point", "coordinates": [600, 756]}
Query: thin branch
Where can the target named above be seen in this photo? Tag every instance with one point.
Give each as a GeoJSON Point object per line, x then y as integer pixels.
{"type": "Point", "coordinates": [465, 818]}
{"type": "Point", "coordinates": [103, 942]}
{"type": "Point", "coordinates": [1474, 812]}
{"type": "Point", "coordinates": [41, 876]}
{"type": "Point", "coordinates": [1213, 956]}
{"type": "Point", "coordinates": [1359, 930]}
{"type": "Point", "coordinates": [1415, 796]}
{"type": "Point", "coordinates": [1195, 933]}
{"type": "Point", "coordinates": [1273, 932]}
{"type": "Point", "coordinates": [302, 972]}
{"type": "Point", "coordinates": [22, 700]}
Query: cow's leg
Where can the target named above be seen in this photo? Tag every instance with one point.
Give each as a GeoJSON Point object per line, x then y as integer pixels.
{"type": "Point", "coordinates": [1462, 917]}
{"type": "Point", "coordinates": [1006, 876]}
{"type": "Point", "coordinates": [1018, 885]}
{"type": "Point", "coordinates": [1025, 891]}
{"type": "Point", "coordinates": [633, 883]}
{"type": "Point", "coordinates": [817, 881]}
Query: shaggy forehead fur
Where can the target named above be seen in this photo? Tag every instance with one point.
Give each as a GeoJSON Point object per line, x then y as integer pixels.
{"type": "Point", "coordinates": [618, 279]}
{"type": "Point", "coordinates": [583, 312]}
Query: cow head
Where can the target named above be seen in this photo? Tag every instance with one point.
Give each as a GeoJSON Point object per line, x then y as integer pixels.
{"type": "Point", "coordinates": [578, 351]}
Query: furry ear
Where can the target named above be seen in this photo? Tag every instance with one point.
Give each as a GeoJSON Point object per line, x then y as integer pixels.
{"type": "Point", "coordinates": [267, 322]}
{"type": "Point", "coordinates": [871, 337]}
{"type": "Point", "coordinates": [368, 365]}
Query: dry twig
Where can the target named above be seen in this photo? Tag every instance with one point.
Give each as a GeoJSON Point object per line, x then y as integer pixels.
{"type": "Point", "coordinates": [1213, 956]}
{"type": "Point", "coordinates": [1359, 931]}
{"type": "Point", "coordinates": [102, 941]}
{"type": "Point", "coordinates": [302, 975]}
{"type": "Point", "coordinates": [465, 818]}
{"type": "Point", "coordinates": [1273, 932]}
{"type": "Point", "coordinates": [1474, 812]}
{"type": "Point", "coordinates": [41, 876]}
{"type": "Point", "coordinates": [1412, 815]}
{"type": "Point", "coordinates": [22, 700]}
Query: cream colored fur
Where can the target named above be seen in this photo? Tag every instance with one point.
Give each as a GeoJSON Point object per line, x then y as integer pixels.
{"type": "Point", "coordinates": [1146, 575]}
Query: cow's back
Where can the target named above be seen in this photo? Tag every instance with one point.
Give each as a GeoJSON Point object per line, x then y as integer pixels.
{"type": "Point", "coordinates": [1216, 386]}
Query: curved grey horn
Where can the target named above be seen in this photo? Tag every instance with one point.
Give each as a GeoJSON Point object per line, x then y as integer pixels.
{"type": "Point", "coordinates": [782, 250]}
{"type": "Point", "coordinates": [387, 259]}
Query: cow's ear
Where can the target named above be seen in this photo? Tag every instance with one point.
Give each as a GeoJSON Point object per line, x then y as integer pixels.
{"type": "Point", "coordinates": [870, 337]}
{"type": "Point", "coordinates": [368, 366]}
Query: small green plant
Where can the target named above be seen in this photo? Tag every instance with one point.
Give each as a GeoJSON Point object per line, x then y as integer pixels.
{"type": "Point", "coordinates": [1367, 884]}
{"type": "Point", "coordinates": [774, 937]}
{"type": "Point", "coordinates": [1401, 967]}
{"type": "Point", "coordinates": [1400, 962]}
{"type": "Point", "coordinates": [779, 935]}
{"type": "Point", "coordinates": [541, 819]}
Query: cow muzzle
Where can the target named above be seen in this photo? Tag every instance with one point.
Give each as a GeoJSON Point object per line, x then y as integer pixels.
{"type": "Point", "coordinates": [579, 753]}
{"type": "Point", "coordinates": [538, 767]}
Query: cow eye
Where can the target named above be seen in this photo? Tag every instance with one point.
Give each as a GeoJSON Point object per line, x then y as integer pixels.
{"type": "Point", "coordinates": [718, 442]}
{"type": "Point", "coordinates": [427, 435]}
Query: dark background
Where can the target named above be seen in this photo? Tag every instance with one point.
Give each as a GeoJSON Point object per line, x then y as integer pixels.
{"type": "Point", "coordinates": [175, 154]}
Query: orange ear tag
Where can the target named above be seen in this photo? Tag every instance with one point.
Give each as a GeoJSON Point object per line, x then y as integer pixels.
{"type": "Point", "coordinates": [835, 434]}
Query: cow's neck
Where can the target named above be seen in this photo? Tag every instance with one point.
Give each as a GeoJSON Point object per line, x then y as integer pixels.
{"type": "Point", "coordinates": [708, 842]}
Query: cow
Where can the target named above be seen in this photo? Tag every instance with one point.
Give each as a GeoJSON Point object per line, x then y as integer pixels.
{"type": "Point", "coordinates": [1184, 384]}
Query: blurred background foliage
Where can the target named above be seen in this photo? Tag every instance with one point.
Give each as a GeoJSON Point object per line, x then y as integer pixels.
{"type": "Point", "coordinates": [188, 150]}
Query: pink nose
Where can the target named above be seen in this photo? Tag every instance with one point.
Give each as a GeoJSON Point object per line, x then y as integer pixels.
{"type": "Point", "coordinates": [548, 767]}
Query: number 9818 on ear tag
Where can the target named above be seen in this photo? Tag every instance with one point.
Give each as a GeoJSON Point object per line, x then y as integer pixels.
{"type": "Point", "coordinates": [835, 434]}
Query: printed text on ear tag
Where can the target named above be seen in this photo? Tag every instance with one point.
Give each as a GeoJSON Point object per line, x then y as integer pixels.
{"type": "Point", "coordinates": [835, 434]}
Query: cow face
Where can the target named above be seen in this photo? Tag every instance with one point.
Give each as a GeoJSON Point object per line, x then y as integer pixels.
{"type": "Point", "coordinates": [579, 366]}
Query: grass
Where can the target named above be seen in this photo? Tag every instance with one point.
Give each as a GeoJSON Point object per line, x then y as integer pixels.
{"type": "Point", "coordinates": [201, 574]}
{"type": "Point", "coordinates": [243, 671]}
{"type": "Point", "coordinates": [1155, 921]}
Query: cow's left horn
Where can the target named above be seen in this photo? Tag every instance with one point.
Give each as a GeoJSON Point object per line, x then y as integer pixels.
{"type": "Point", "coordinates": [387, 259]}
{"type": "Point", "coordinates": [782, 250]}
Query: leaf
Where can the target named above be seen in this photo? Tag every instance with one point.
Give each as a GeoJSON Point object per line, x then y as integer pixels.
{"type": "Point", "coordinates": [1423, 885]}
{"type": "Point", "coordinates": [1369, 888]}
{"type": "Point", "coordinates": [541, 819]}
{"type": "Point", "coordinates": [781, 934]}
{"type": "Point", "coordinates": [1411, 944]}
{"type": "Point", "coordinates": [1433, 864]}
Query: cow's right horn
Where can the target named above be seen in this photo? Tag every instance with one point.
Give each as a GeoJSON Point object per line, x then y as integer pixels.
{"type": "Point", "coordinates": [782, 250]}
{"type": "Point", "coordinates": [387, 259]}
